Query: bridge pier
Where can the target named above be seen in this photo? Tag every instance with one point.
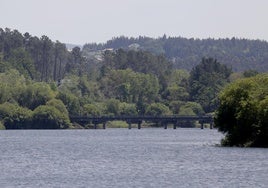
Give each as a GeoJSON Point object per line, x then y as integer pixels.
{"type": "Point", "coordinates": [211, 125]}
{"type": "Point", "coordinates": [202, 125]}
{"type": "Point", "coordinates": [165, 125]}
{"type": "Point", "coordinates": [139, 125]}
{"type": "Point", "coordinates": [160, 120]}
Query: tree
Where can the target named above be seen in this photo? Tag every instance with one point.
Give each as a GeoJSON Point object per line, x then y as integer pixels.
{"type": "Point", "coordinates": [58, 104]}
{"type": "Point", "coordinates": [14, 116]}
{"type": "Point", "coordinates": [241, 54]}
{"type": "Point", "coordinates": [129, 86]}
{"type": "Point", "coordinates": [10, 40]}
{"type": "Point", "coordinates": [112, 107]}
{"type": "Point", "coordinates": [94, 109]}
{"type": "Point", "coordinates": [2, 127]}
{"type": "Point", "coordinates": [138, 61]}
{"type": "Point", "coordinates": [205, 82]}
{"type": "Point", "coordinates": [21, 60]}
{"type": "Point", "coordinates": [11, 86]}
{"type": "Point", "coordinates": [191, 109]}
{"type": "Point", "coordinates": [71, 102]}
{"type": "Point", "coordinates": [177, 86]}
{"type": "Point", "coordinates": [59, 60]}
{"type": "Point", "coordinates": [75, 64]}
{"type": "Point", "coordinates": [46, 58]}
{"type": "Point", "coordinates": [156, 109]}
{"type": "Point", "coordinates": [127, 109]}
{"type": "Point", "coordinates": [242, 114]}
{"type": "Point", "coordinates": [250, 73]}
{"type": "Point", "coordinates": [49, 117]}
{"type": "Point", "coordinates": [36, 94]}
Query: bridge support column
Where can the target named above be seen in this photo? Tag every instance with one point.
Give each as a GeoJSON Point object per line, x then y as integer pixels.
{"type": "Point", "coordinates": [175, 125]}
{"type": "Point", "coordinates": [202, 125]}
{"type": "Point", "coordinates": [95, 125]}
{"type": "Point", "coordinates": [139, 125]}
{"type": "Point", "coordinates": [104, 125]}
{"type": "Point", "coordinates": [165, 125]}
{"type": "Point", "coordinates": [129, 125]}
{"type": "Point", "coordinates": [211, 125]}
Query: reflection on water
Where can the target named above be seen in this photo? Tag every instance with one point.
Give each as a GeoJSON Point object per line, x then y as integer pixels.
{"type": "Point", "coordinates": [127, 158]}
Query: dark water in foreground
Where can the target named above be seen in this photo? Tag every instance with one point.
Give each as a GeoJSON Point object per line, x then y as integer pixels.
{"type": "Point", "coordinates": [125, 158]}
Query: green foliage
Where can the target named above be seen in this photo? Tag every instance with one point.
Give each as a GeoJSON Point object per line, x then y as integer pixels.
{"type": "Point", "coordinates": [127, 109]}
{"type": "Point", "coordinates": [75, 63]}
{"type": "Point", "coordinates": [112, 107]}
{"type": "Point", "coordinates": [177, 86]}
{"type": "Point", "coordinates": [19, 96]}
{"type": "Point", "coordinates": [250, 73]}
{"type": "Point", "coordinates": [191, 109]}
{"type": "Point", "coordinates": [242, 113]}
{"type": "Point", "coordinates": [240, 54]}
{"type": "Point", "coordinates": [138, 61]}
{"type": "Point", "coordinates": [175, 92]}
{"type": "Point", "coordinates": [11, 85]}
{"type": "Point", "coordinates": [4, 66]}
{"type": "Point", "coordinates": [94, 109]}
{"type": "Point", "coordinates": [117, 124]}
{"type": "Point", "coordinates": [186, 108]}
{"type": "Point", "coordinates": [137, 79]}
{"type": "Point", "coordinates": [206, 80]}
{"type": "Point", "coordinates": [128, 86]}
{"type": "Point", "coordinates": [88, 88]}
{"type": "Point", "coordinates": [21, 60]}
{"type": "Point", "coordinates": [2, 127]}
{"type": "Point", "coordinates": [71, 102]}
{"type": "Point", "coordinates": [49, 117]}
{"type": "Point", "coordinates": [175, 106]}
{"type": "Point", "coordinates": [156, 109]}
{"type": "Point", "coordinates": [36, 94]}
{"type": "Point", "coordinates": [58, 104]}
{"type": "Point", "coordinates": [36, 58]}
{"type": "Point", "coordinates": [14, 116]}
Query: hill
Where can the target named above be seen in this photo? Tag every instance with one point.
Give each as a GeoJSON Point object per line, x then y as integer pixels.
{"type": "Point", "coordinates": [238, 54]}
{"type": "Point", "coordinates": [41, 79]}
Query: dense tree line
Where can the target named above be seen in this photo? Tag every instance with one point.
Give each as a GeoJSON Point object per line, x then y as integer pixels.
{"type": "Point", "coordinates": [239, 54]}
{"type": "Point", "coordinates": [206, 80]}
{"type": "Point", "coordinates": [36, 58]}
{"type": "Point", "coordinates": [42, 84]}
{"type": "Point", "coordinates": [28, 104]}
{"type": "Point", "coordinates": [138, 61]}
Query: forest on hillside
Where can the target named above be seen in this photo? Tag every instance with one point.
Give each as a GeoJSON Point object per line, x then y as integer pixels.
{"type": "Point", "coordinates": [43, 84]}
{"type": "Point", "coordinates": [238, 54]}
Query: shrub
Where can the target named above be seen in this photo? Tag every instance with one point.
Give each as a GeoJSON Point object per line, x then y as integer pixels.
{"type": "Point", "coordinates": [2, 127]}
{"type": "Point", "coordinates": [15, 117]}
{"type": "Point", "coordinates": [243, 112]}
{"type": "Point", "coordinates": [49, 117]}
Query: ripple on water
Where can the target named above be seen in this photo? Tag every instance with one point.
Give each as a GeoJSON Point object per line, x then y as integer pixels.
{"type": "Point", "coordinates": [127, 158]}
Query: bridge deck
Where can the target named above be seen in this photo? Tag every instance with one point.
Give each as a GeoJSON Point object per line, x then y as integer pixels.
{"type": "Point", "coordinates": [139, 119]}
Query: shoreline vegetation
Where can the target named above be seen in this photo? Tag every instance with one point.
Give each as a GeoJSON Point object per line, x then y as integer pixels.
{"type": "Point", "coordinates": [43, 84]}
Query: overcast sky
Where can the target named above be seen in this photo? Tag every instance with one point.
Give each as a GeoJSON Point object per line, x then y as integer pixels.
{"type": "Point", "coordinates": [86, 21]}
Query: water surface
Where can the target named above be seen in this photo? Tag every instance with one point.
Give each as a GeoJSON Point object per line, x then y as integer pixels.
{"type": "Point", "coordinates": [127, 158]}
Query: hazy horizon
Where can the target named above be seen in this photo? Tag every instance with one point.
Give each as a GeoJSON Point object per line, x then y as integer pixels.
{"type": "Point", "coordinates": [87, 21]}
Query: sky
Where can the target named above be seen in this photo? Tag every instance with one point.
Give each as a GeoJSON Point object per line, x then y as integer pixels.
{"type": "Point", "coordinates": [87, 21]}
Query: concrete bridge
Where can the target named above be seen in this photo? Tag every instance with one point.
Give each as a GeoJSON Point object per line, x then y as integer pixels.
{"type": "Point", "coordinates": [164, 120]}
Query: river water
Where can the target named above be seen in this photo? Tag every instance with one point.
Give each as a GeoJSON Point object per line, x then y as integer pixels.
{"type": "Point", "coordinates": [123, 158]}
